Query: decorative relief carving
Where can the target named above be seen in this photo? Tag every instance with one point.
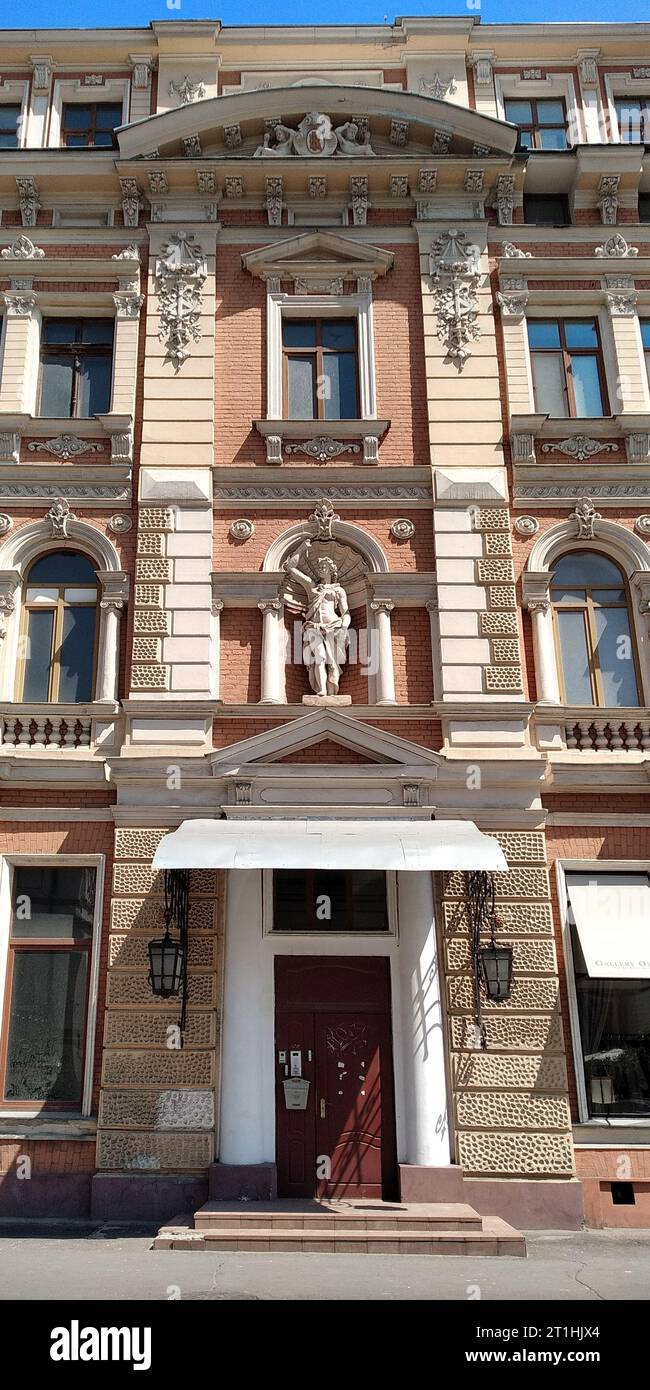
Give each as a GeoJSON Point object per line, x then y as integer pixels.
{"type": "Point", "coordinates": [28, 201]}
{"type": "Point", "coordinates": [402, 529]}
{"type": "Point", "coordinates": [158, 181]}
{"type": "Point", "coordinates": [580, 447]}
{"type": "Point", "coordinates": [441, 88]}
{"type": "Point", "coordinates": [131, 201]}
{"type": "Point", "coordinates": [206, 181]}
{"type": "Point", "coordinates": [65, 446]}
{"type": "Point", "coordinates": [315, 138]}
{"type": "Point", "coordinates": [474, 180]}
{"type": "Point", "coordinates": [130, 253]}
{"type": "Point", "coordinates": [608, 198]}
{"type": "Point", "coordinates": [303, 492]}
{"type": "Point", "coordinates": [515, 252]}
{"type": "Point", "coordinates": [359, 200]}
{"type": "Point", "coordinates": [527, 525]}
{"type": "Point", "coordinates": [233, 187]}
{"type": "Point", "coordinates": [187, 91]}
{"type": "Point", "coordinates": [642, 525]}
{"type": "Point", "coordinates": [440, 142]}
{"type": "Point", "coordinates": [586, 518]}
{"type": "Point", "coordinates": [242, 529]}
{"type": "Point", "coordinates": [427, 180]}
{"type": "Point", "coordinates": [59, 517]}
{"type": "Point", "coordinates": [181, 271]}
{"type": "Point", "coordinates": [317, 186]}
{"type": "Point", "coordinates": [274, 194]}
{"type": "Point", "coordinates": [638, 447]}
{"type": "Point", "coordinates": [454, 268]}
{"type": "Point", "coordinates": [504, 201]}
{"type": "Point", "coordinates": [398, 185]}
{"type": "Point", "coordinates": [399, 133]}
{"type": "Point", "coordinates": [322, 448]}
{"type": "Point", "coordinates": [316, 285]}
{"type": "Point", "coordinates": [482, 65]}
{"type": "Point", "coordinates": [22, 249]}
{"type": "Point", "coordinates": [6, 523]}
{"type": "Point", "coordinates": [617, 247]}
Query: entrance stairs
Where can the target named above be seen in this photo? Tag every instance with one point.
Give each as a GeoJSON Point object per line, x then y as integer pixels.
{"type": "Point", "coordinates": [342, 1227]}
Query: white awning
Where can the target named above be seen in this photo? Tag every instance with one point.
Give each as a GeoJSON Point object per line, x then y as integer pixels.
{"type": "Point", "coordinates": [611, 912]}
{"type": "Point", "coordinates": [328, 844]}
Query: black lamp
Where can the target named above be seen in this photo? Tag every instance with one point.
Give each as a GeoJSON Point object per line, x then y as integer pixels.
{"type": "Point", "coordinates": [496, 971]}
{"type": "Point", "coordinates": [166, 964]}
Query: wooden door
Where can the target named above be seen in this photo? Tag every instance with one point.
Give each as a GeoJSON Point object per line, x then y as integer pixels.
{"type": "Point", "coordinates": [336, 1013]}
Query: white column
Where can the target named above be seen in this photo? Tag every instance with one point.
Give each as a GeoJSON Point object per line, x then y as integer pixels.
{"type": "Point", "coordinates": [217, 610]}
{"type": "Point", "coordinates": [20, 350]}
{"type": "Point", "coordinates": [385, 685]}
{"type": "Point", "coordinates": [426, 1127]}
{"type": "Point", "coordinates": [432, 609]}
{"type": "Point", "coordinates": [273, 687]}
{"type": "Point", "coordinates": [246, 1130]}
{"type": "Point", "coordinates": [546, 678]}
{"type": "Point", "coordinates": [109, 648]}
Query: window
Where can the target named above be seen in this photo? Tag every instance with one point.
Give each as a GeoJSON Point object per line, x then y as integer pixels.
{"type": "Point", "coordinates": [50, 943]}
{"type": "Point", "coordinates": [329, 900]}
{"type": "Point", "coordinates": [609, 922]}
{"type": "Point", "coordinates": [320, 369]}
{"type": "Point", "coordinates": [542, 124]}
{"type": "Point", "coordinates": [9, 122]}
{"type": "Point", "coordinates": [76, 367]}
{"type": "Point", "coordinates": [91, 124]}
{"type": "Point", "coordinates": [568, 372]}
{"type": "Point", "coordinates": [592, 625]}
{"type": "Point", "coordinates": [633, 117]}
{"type": "Point", "coordinates": [59, 629]}
{"type": "Point", "coordinates": [546, 209]}
{"type": "Point", "coordinates": [645, 339]}
{"type": "Point", "coordinates": [644, 207]}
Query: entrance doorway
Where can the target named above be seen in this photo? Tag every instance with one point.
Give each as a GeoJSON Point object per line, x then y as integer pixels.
{"type": "Point", "coordinates": [333, 1030]}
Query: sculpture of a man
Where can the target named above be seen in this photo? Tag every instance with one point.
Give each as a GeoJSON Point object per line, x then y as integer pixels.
{"type": "Point", "coordinates": [326, 620]}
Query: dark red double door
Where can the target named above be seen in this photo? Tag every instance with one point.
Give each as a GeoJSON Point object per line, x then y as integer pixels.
{"type": "Point", "coordinates": [335, 1013]}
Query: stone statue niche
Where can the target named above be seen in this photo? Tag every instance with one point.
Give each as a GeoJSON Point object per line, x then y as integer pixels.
{"type": "Point", "coordinates": [319, 575]}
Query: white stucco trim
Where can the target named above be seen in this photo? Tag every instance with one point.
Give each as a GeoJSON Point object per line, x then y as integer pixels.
{"type": "Point", "coordinates": [16, 93]}
{"type": "Point", "coordinates": [356, 306]}
{"type": "Point", "coordinates": [73, 92]}
{"type": "Point", "coordinates": [97, 861]}
{"type": "Point", "coordinates": [508, 86]}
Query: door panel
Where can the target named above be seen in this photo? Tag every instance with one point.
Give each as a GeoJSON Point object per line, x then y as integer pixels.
{"type": "Point", "coordinates": [349, 1120]}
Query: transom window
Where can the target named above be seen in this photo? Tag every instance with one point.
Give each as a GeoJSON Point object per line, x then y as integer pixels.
{"type": "Point", "coordinates": [567, 364]}
{"type": "Point", "coordinates": [90, 124]}
{"type": "Point", "coordinates": [9, 122]}
{"type": "Point", "coordinates": [633, 117]}
{"type": "Point", "coordinates": [329, 900]}
{"type": "Point", "coordinates": [546, 209]}
{"type": "Point", "coordinates": [50, 943]}
{"type": "Point", "coordinates": [595, 647]}
{"type": "Point", "coordinates": [59, 630]}
{"type": "Point", "coordinates": [76, 367]}
{"type": "Point", "coordinates": [542, 123]}
{"type": "Point", "coordinates": [645, 339]}
{"type": "Point", "coordinates": [320, 377]}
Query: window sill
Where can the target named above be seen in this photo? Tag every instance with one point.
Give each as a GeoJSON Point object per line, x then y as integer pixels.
{"type": "Point", "coordinates": [322, 440]}
{"type": "Point", "coordinates": [591, 1134]}
{"type": "Point", "coordinates": [66, 439]}
{"type": "Point", "coordinates": [616, 444]}
{"type": "Point", "coordinates": [37, 1126]}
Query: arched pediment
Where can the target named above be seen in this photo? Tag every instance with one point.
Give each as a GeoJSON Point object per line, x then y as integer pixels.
{"type": "Point", "coordinates": [234, 126]}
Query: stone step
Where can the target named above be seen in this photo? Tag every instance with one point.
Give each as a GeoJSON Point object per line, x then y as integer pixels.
{"type": "Point", "coordinates": [353, 1216]}
{"type": "Point", "coordinates": [495, 1238]}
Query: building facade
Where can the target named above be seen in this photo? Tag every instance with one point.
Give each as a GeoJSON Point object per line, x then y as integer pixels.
{"type": "Point", "coordinates": [325, 580]}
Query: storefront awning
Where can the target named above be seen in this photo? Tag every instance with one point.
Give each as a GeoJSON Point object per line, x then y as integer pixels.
{"type": "Point", "coordinates": [611, 912]}
{"type": "Point", "coordinates": [328, 844]}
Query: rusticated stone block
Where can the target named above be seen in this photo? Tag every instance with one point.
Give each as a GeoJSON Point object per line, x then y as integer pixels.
{"type": "Point", "coordinates": [498, 543]}
{"type": "Point", "coordinates": [135, 1028]}
{"type": "Point", "coordinates": [152, 620]}
{"type": "Point", "coordinates": [147, 914]}
{"type": "Point", "coordinates": [505, 649]}
{"type": "Point", "coordinates": [501, 596]}
{"type": "Point", "coordinates": [516, 883]}
{"type": "Point", "coordinates": [521, 846]}
{"type": "Point", "coordinates": [524, 1155]}
{"type": "Point", "coordinates": [539, 993]}
{"type": "Point", "coordinates": [148, 596]}
{"type": "Point", "coordinates": [153, 568]}
{"type": "Point", "coordinates": [491, 623]}
{"type": "Point", "coordinates": [136, 880]}
{"type": "Point", "coordinates": [153, 677]}
{"type": "Point", "coordinates": [492, 519]}
{"type": "Point", "coordinates": [528, 956]}
{"type": "Point", "coordinates": [171, 1068]}
{"type": "Point", "coordinates": [131, 843]}
{"type": "Point", "coordinates": [154, 1152]}
{"type": "Point", "coordinates": [512, 1110]}
{"type": "Point", "coordinates": [511, 1032]}
{"type": "Point", "coordinates": [503, 678]}
{"type": "Point", "coordinates": [517, 919]}
{"type": "Point", "coordinates": [158, 1110]}
{"type": "Point", "coordinates": [147, 648]}
{"type": "Point", "coordinates": [494, 571]}
{"type": "Point", "coordinates": [486, 1070]}
{"type": "Point", "coordinates": [155, 519]}
{"type": "Point", "coordinates": [132, 951]}
{"type": "Point", "coordinates": [151, 543]}
{"type": "Point", "coordinates": [124, 988]}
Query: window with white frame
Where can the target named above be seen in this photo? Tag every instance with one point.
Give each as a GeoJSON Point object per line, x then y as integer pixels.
{"type": "Point", "coordinates": [608, 929]}
{"type": "Point", "coordinates": [645, 339]}
{"type": "Point", "coordinates": [84, 116]}
{"type": "Point", "coordinates": [10, 125]}
{"type": "Point", "coordinates": [593, 632]}
{"type": "Point", "coordinates": [76, 367]}
{"type": "Point", "coordinates": [58, 648]}
{"type": "Point", "coordinates": [320, 369]}
{"type": "Point", "coordinates": [633, 119]}
{"type": "Point", "coordinates": [568, 367]}
{"type": "Point", "coordinates": [51, 962]}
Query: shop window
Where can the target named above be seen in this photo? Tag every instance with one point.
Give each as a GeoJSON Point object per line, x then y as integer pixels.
{"type": "Point", "coordinates": [9, 127]}
{"type": "Point", "coordinates": [633, 119]}
{"type": "Point", "coordinates": [568, 369]}
{"type": "Point", "coordinates": [542, 123]}
{"type": "Point", "coordinates": [546, 209]}
{"type": "Point", "coordinates": [329, 900]}
{"type": "Point", "coordinates": [609, 922]}
{"type": "Point", "coordinates": [76, 367]}
{"type": "Point", "coordinates": [59, 638]}
{"type": "Point", "coordinates": [594, 641]}
{"type": "Point", "coordinates": [91, 125]}
{"type": "Point", "coordinates": [50, 944]}
{"type": "Point", "coordinates": [320, 369]}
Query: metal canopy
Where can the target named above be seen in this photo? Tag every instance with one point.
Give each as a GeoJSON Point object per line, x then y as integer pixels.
{"type": "Point", "coordinates": [328, 844]}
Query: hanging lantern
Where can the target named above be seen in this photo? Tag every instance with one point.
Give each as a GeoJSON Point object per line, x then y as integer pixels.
{"type": "Point", "coordinates": [166, 966]}
{"type": "Point", "coordinates": [496, 971]}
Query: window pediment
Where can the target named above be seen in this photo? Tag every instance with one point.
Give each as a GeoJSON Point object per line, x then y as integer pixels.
{"type": "Point", "coordinates": [317, 258]}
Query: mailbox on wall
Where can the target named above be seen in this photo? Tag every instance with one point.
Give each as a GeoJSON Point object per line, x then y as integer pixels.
{"type": "Point", "coordinates": [296, 1093]}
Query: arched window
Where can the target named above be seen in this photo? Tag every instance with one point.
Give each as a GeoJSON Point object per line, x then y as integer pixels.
{"type": "Point", "coordinates": [59, 636]}
{"type": "Point", "coordinates": [595, 647]}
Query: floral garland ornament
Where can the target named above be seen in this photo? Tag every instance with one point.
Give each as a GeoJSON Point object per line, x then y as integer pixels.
{"type": "Point", "coordinates": [453, 265]}
{"type": "Point", "coordinates": [181, 272]}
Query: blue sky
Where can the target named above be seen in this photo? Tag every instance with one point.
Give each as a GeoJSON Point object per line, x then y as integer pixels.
{"type": "Point", "coordinates": [123, 13]}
